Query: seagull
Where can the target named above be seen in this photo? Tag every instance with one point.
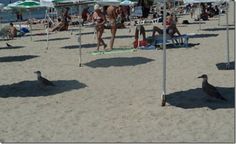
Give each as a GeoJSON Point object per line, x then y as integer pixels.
{"type": "Point", "coordinates": [209, 89]}
{"type": "Point", "coordinates": [8, 45]}
{"type": "Point", "coordinates": [43, 81]}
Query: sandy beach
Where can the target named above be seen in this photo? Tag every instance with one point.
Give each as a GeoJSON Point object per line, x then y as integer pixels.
{"type": "Point", "coordinates": [116, 97]}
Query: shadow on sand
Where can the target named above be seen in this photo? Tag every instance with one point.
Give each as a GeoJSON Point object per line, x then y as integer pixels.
{"type": "Point", "coordinates": [190, 45]}
{"type": "Point", "coordinates": [85, 33]}
{"type": "Point", "coordinates": [217, 29]}
{"type": "Point", "coordinates": [120, 37]}
{"type": "Point", "coordinates": [195, 98]}
{"type": "Point", "coordinates": [11, 48]}
{"type": "Point", "coordinates": [17, 58]}
{"type": "Point", "coordinates": [83, 46]}
{"type": "Point", "coordinates": [203, 35]}
{"type": "Point", "coordinates": [120, 61]}
{"type": "Point", "coordinates": [54, 39]}
{"type": "Point", "coordinates": [33, 89]}
{"type": "Point", "coordinates": [222, 66]}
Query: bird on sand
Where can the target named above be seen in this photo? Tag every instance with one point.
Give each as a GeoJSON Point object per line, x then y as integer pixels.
{"type": "Point", "coordinates": [43, 81]}
{"type": "Point", "coordinates": [8, 45]}
{"type": "Point", "coordinates": [209, 89]}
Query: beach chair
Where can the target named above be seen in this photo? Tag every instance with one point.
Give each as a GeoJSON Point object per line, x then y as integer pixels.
{"type": "Point", "coordinates": [176, 40]}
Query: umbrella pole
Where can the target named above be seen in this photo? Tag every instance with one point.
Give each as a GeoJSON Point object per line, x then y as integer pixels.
{"type": "Point", "coordinates": [199, 16]}
{"type": "Point", "coordinates": [30, 27]}
{"type": "Point", "coordinates": [227, 36]}
{"type": "Point", "coordinates": [47, 28]}
{"type": "Point", "coordinates": [80, 47]}
{"type": "Point", "coordinates": [80, 43]}
{"type": "Point", "coordinates": [163, 98]}
{"type": "Point", "coordinates": [0, 23]}
{"type": "Point", "coordinates": [219, 18]}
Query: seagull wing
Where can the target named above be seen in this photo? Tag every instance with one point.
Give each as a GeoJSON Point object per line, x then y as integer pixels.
{"type": "Point", "coordinates": [212, 91]}
{"type": "Point", "coordinates": [47, 82]}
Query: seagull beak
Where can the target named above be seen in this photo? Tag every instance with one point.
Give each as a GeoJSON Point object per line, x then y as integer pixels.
{"type": "Point", "coordinates": [199, 77]}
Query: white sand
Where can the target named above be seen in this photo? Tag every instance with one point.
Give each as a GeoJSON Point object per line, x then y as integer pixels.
{"type": "Point", "coordinates": [112, 103]}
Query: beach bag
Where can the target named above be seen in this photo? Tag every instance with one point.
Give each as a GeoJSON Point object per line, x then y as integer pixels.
{"type": "Point", "coordinates": [141, 43]}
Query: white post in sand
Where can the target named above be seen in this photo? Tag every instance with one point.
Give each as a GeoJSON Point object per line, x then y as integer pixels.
{"type": "Point", "coordinates": [227, 36]}
{"type": "Point", "coordinates": [234, 12]}
{"type": "Point", "coordinates": [163, 98]}
{"type": "Point", "coordinates": [79, 40]}
{"type": "Point", "coordinates": [219, 18]}
{"type": "Point", "coordinates": [80, 47]}
{"type": "Point", "coordinates": [199, 16]}
{"type": "Point", "coordinates": [47, 28]}
{"type": "Point", "coordinates": [30, 19]}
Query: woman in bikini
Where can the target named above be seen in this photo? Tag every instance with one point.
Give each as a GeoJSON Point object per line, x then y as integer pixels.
{"type": "Point", "coordinates": [99, 20]}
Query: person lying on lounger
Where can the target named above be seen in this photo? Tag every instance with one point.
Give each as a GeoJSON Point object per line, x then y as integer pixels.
{"type": "Point", "coordinates": [64, 22]}
{"type": "Point", "coordinates": [171, 29]}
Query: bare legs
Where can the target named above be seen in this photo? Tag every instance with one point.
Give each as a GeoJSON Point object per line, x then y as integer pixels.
{"type": "Point", "coordinates": [156, 29]}
{"type": "Point", "coordinates": [113, 34]}
{"type": "Point", "coordinates": [99, 38]}
{"type": "Point", "coordinates": [142, 31]}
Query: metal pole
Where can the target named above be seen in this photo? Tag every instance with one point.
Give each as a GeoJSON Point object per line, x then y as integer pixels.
{"type": "Point", "coordinates": [47, 27]}
{"type": "Point", "coordinates": [79, 40]}
{"type": "Point", "coordinates": [199, 16]}
{"type": "Point", "coordinates": [219, 19]}
{"type": "Point", "coordinates": [80, 47]}
{"type": "Point", "coordinates": [163, 98]}
{"type": "Point", "coordinates": [30, 26]}
{"type": "Point", "coordinates": [227, 36]}
{"type": "Point", "coordinates": [234, 13]}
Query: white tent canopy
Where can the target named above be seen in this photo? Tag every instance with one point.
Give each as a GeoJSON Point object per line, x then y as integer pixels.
{"type": "Point", "coordinates": [46, 3]}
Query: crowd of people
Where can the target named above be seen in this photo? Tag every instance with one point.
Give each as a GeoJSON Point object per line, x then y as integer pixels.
{"type": "Point", "coordinates": [207, 10]}
{"type": "Point", "coordinates": [113, 17]}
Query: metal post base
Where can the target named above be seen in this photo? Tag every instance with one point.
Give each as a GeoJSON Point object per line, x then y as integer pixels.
{"type": "Point", "coordinates": [163, 100]}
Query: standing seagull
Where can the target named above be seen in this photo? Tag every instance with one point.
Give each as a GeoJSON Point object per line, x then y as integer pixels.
{"type": "Point", "coordinates": [43, 81]}
{"type": "Point", "coordinates": [209, 89]}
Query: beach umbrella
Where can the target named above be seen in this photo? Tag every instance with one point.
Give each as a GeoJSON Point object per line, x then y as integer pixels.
{"type": "Point", "coordinates": [28, 5]}
{"type": "Point", "coordinates": [128, 2]}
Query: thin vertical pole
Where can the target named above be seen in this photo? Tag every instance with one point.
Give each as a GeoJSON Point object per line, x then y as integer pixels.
{"type": "Point", "coordinates": [227, 36]}
{"type": "Point", "coordinates": [47, 28]}
{"type": "Point", "coordinates": [199, 16]}
{"type": "Point", "coordinates": [30, 25]}
{"type": "Point", "coordinates": [79, 40]}
{"type": "Point", "coordinates": [163, 98]}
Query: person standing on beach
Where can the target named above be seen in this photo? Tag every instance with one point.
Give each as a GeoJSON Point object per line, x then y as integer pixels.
{"type": "Point", "coordinates": [112, 15]}
{"type": "Point", "coordinates": [66, 17]}
{"type": "Point", "coordinates": [99, 19]}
